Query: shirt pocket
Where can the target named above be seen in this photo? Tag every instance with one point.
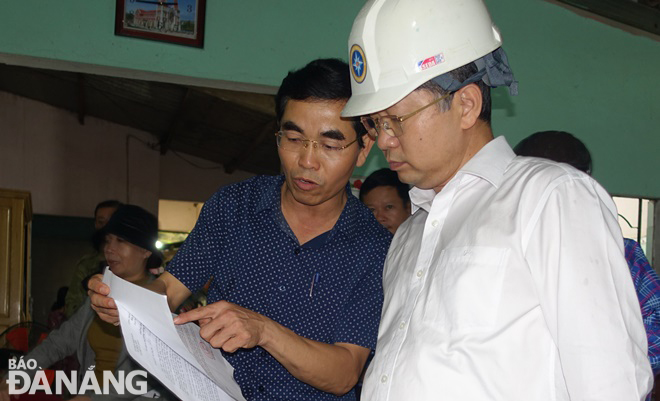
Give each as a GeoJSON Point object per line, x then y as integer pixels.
{"type": "Point", "coordinates": [467, 296]}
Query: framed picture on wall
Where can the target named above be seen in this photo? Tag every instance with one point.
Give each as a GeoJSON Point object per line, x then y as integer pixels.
{"type": "Point", "coordinates": [174, 21]}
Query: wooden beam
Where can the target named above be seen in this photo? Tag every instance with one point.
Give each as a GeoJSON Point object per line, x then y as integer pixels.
{"type": "Point", "coordinates": [264, 104]}
{"type": "Point", "coordinates": [625, 11]}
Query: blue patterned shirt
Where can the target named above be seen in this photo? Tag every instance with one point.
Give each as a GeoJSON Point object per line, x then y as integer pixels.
{"type": "Point", "coordinates": [647, 286]}
{"type": "Point", "coordinates": [327, 290]}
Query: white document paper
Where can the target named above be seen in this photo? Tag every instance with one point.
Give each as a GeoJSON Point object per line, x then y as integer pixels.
{"type": "Point", "coordinates": [175, 354]}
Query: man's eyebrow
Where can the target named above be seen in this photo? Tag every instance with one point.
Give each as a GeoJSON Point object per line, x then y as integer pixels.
{"type": "Point", "coordinates": [291, 126]}
{"type": "Point", "coordinates": [333, 134]}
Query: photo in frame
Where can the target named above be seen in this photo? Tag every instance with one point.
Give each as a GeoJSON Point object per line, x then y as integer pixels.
{"type": "Point", "coordinates": [174, 21]}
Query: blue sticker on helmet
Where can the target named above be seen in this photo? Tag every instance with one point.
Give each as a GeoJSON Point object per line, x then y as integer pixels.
{"type": "Point", "coordinates": [358, 64]}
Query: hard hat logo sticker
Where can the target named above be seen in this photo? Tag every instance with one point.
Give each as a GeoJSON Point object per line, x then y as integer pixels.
{"type": "Point", "coordinates": [430, 62]}
{"type": "Point", "coordinates": [358, 64]}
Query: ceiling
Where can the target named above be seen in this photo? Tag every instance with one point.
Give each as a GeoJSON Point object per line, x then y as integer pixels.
{"type": "Point", "coordinates": [230, 128]}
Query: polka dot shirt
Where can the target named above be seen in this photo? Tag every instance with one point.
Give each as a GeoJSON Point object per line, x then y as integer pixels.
{"type": "Point", "coordinates": [327, 290]}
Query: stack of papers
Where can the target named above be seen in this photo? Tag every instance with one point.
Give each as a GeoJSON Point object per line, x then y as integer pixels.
{"type": "Point", "coordinates": [176, 354]}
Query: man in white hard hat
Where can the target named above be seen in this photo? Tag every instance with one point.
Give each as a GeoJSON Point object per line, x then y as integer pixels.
{"type": "Point", "coordinates": [509, 281]}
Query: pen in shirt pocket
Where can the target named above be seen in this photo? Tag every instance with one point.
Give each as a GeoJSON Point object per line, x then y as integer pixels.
{"type": "Point", "coordinates": [315, 280]}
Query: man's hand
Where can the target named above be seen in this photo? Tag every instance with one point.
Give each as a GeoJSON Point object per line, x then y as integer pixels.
{"type": "Point", "coordinates": [334, 368]}
{"type": "Point", "coordinates": [103, 305]}
{"type": "Point", "coordinates": [228, 326]}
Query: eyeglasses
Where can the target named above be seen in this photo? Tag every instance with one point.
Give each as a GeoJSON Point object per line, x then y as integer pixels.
{"type": "Point", "coordinates": [293, 141]}
{"type": "Point", "coordinates": [390, 124]}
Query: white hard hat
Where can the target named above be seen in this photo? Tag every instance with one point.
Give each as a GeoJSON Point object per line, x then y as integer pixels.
{"type": "Point", "coordinates": [397, 45]}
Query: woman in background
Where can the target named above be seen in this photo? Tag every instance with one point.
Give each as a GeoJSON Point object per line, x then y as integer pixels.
{"type": "Point", "coordinates": [130, 251]}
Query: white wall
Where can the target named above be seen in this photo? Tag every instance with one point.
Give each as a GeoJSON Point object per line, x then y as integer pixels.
{"type": "Point", "coordinates": [179, 180]}
{"type": "Point", "coordinates": [69, 167]}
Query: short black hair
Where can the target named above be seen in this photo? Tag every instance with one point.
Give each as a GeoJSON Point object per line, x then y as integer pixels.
{"type": "Point", "coordinates": [107, 203]}
{"type": "Point", "coordinates": [559, 146]}
{"type": "Point", "coordinates": [385, 178]}
{"type": "Point", "coordinates": [461, 74]}
{"type": "Point", "coordinates": [323, 79]}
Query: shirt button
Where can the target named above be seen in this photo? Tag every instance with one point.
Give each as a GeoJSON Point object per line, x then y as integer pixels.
{"type": "Point", "coordinates": [402, 325]}
{"type": "Point", "coordinates": [420, 273]}
{"type": "Point", "coordinates": [261, 389]}
{"type": "Point", "coordinates": [297, 251]}
{"type": "Point", "coordinates": [383, 378]}
{"type": "Point", "coordinates": [434, 223]}
{"type": "Point", "coordinates": [282, 288]}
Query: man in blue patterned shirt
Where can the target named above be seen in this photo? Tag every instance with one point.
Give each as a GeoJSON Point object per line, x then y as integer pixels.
{"type": "Point", "coordinates": [296, 260]}
{"type": "Point", "coordinates": [647, 285]}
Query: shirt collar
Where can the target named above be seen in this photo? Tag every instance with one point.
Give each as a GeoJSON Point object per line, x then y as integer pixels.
{"type": "Point", "coordinates": [271, 195]}
{"type": "Point", "coordinates": [271, 200]}
{"type": "Point", "coordinates": [489, 163]}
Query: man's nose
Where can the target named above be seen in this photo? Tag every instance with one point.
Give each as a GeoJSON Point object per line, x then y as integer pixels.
{"type": "Point", "coordinates": [309, 156]}
{"type": "Point", "coordinates": [385, 141]}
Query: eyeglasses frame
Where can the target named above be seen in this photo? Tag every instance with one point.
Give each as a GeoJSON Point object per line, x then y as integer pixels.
{"type": "Point", "coordinates": [400, 119]}
{"type": "Point", "coordinates": [306, 142]}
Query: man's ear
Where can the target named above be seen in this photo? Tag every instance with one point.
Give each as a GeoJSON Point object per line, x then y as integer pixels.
{"type": "Point", "coordinates": [364, 152]}
{"type": "Point", "coordinates": [470, 102]}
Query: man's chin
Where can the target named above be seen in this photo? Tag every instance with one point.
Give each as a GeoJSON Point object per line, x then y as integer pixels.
{"type": "Point", "coordinates": [406, 177]}
{"type": "Point", "coordinates": [307, 199]}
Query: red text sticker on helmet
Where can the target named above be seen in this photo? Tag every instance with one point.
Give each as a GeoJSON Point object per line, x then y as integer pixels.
{"type": "Point", "coordinates": [430, 62]}
{"type": "Point", "coordinates": [358, 64]}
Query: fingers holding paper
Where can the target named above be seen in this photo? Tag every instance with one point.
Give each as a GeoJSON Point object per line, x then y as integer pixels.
{"type": "Point", "coordinates": [228, 326]}
{"type": "Point", "coordinates": [101, 303]}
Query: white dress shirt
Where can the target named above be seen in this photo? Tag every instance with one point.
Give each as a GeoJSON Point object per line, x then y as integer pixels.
{"type": "Point", "coordinates": [510, 284]}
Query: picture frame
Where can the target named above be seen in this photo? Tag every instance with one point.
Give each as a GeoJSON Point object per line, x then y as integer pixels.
{"type": "Point", "coordinates": [173, 21]}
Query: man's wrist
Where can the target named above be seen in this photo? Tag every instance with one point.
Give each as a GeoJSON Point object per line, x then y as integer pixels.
{"type": "Point", "coordinates": [268, 332]}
